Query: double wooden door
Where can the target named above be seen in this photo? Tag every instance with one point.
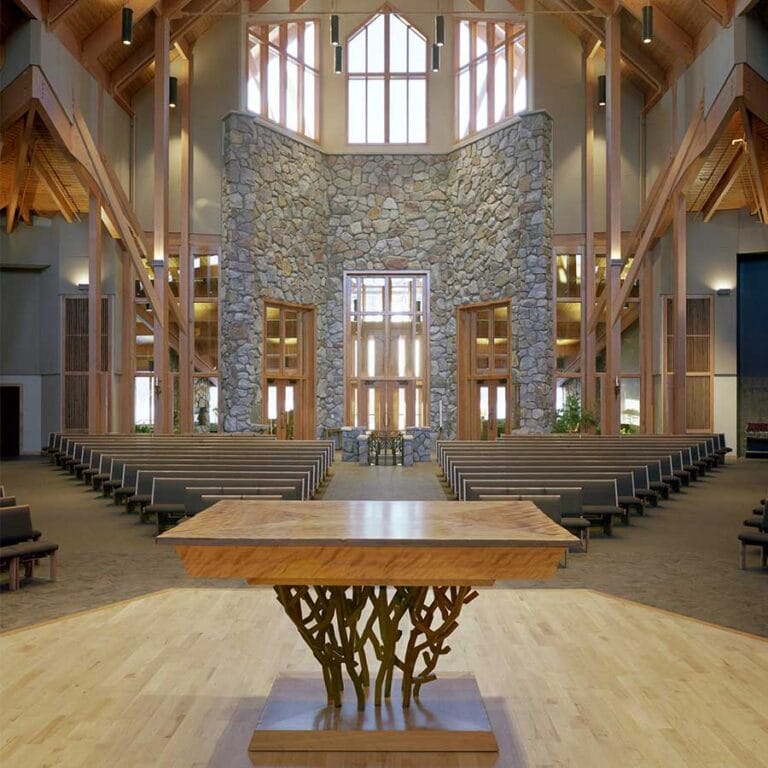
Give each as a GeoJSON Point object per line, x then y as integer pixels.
{"type": "Point", "coordinates": [389, 405]}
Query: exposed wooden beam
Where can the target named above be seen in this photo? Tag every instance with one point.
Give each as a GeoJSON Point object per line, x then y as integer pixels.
{"type": "Point", "coordinates": [98, 171]}
{"type": "Point", "coordinates": [679, 303]}
{"type": "Point", "coordinates": [669, 185]}
{"type": "Point", "coordinates": [20, 168]}
{"type": "Point", "coordinates": [633, 54]}
{"type": "Point", "coordinates": [647, 421]}
{"type": "Point", "coordinates": [108, 33]}
{"type": "Point", "coordinates": [666, 29]}
{"type": "Point", "coordinates": [55, 188]}
{"type": "Point", "coordinates": [755, 167]}
{"type": "Point", "coordinates": [163, 382]}
{"type": "Point", "coordinates": [724, 184]}
{"type": "Point", "coordinates": [479, 4]}
{"type": "Point", "coordinates": [146, 53]}
{"type": "Point", "coordinates": [588, 271]}
{"type": "Point", "coordinates": [58, 9]}
{"type": "Point", "coordinates": [186, 265]}
{"type": "Point", "coordinates": [718, 9]}
{"type": "Point", "coordinates": [295, 5]}
{"type": "Point", "coordinates": [128, 343]}
{"type": "Point", "coordinates": [744, 6]}
{"type": "Point", "coordinates": [95, 240]}
{"type": "Point", "coordinates": [754, 89]}
{"type": "Point", "coordinates": [613, 256]}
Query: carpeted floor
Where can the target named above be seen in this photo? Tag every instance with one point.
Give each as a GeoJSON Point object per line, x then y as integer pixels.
{"type": "Point", "coordinates": [682, 557]}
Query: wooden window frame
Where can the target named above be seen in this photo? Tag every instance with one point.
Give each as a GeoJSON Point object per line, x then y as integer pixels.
{"type": "Point", "coordinates": [387, 77]}
{"type": "Point", "coordinates": [511, 37]}
{"type": "Point", "coordinates": [351, 379]}
{"type": "Point", "coordinates": [260, 32]}
{"type": "Point", "coordinates": [667, 375]}
{"type": "Point", "coordinates": [306, 416]}
{"type": "Point", "coordinates": [467, 377]}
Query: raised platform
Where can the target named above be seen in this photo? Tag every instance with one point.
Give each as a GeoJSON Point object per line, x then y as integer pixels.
{"type": "Point", "coordinates": [568, 677]}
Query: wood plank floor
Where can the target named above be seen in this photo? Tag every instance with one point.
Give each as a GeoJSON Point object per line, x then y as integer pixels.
{"type": "Point", "coordinates": [570, 678]}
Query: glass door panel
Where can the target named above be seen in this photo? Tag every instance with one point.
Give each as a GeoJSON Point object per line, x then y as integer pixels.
{"type": "Point", "coordinates": [501, 409]}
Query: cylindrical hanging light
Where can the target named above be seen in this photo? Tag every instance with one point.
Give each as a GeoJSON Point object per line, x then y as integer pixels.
{"type": "Point", "coordinates": [440, 30]}
{"type": "Point", "coordinates": [173, 91]}
{"type": "Point", "coordinates": [127, 36]}
{"type": "Point", "coordinates": [335, 30]}
{"type": "Point", "coordinates": [647, 23]}
{"type": "Point", "coordinates": [601, 90]}
{"type": "Point", "coordinates": [435, 57]}
{"type": "Point", "coordinates": [338, 59]}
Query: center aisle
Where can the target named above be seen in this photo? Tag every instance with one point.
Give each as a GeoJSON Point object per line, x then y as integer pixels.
{"type": "Point", "coordinates": [351, 481]}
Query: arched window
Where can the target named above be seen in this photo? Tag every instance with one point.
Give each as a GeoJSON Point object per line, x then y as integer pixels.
{"type": "Point", "coordinates": [283, 75]}
{"type": "Point", "coordinates": [387, 82]}
{"type": "Point", "coordinates": [490, 73]}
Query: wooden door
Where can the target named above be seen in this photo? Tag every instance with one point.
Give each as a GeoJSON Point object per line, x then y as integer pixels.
{"type": "Point", "coordinates": [282, 399]}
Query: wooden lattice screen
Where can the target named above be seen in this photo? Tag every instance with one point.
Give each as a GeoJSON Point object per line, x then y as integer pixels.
{"type": "Point", "coordinates": [75, 358]}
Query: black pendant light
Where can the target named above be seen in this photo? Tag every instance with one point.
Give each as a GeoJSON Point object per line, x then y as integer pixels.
{"type": "Point", "coordinates": [335, 30]}
{"type": "Point", "coordinates": [338, 59]}
{"type": "Point", "coordinates": [173, 92]}
{"type": "Point", "coordinates": [601, 90]}
{"type": "Point", "coordinates": [127, 36]}
{"type": "Point", "coordinates": [440, 30]}
{"type": "Point", "coordinates": [435, 57]}
{"type": "Point", "coordinates": [647, 24]}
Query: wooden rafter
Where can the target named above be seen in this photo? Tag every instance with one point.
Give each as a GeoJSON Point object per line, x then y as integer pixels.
{"type": "Point", "coordinates": [753, 153]}
{"type": "Point", "coordinates": [724, 184]}
{"type": "Point", "coordinates": [668, 31]}
{"type": "Point", "coordinates": [145, 55]}
{"type": "Point", "coordinates": [295, 5]}
{"type": "Point", "coordinates": [743, 6]}
{"type": "Point", "coordinates": [718, 9]}
{"type": "Point", "coordinates": [33, 8]}
{"type": "Point", "coordinates": [22, 164]}
{"type": "Point", "coordinates": [638, 60]}
{"type": "Point", "coordinates": [58, 10]}
{"type": "Point", "coordinates": [56, 189]}
{"type": "Point", "coordinates": [479, 4]}
{"type": "Point", "coordinates": [107, 33]}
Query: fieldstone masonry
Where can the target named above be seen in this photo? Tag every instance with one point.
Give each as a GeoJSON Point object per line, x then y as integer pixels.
{"type": "Point", "coordinates": [479, 220]}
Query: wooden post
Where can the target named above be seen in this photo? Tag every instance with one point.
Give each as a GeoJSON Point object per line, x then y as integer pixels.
{"type": "Point", "coordinates": [163, 382]}
{"type": "Point", "coordinates": [679, 312]}
{"type": "Point", "coordinates": [186, 266]}
{"type": "Point", "coordinates": [128, 347]}
{"type": "Point", "coordinates": [613, 264]}
{"type": "Point", "coordinates": [588, 267]}
{"type": "Point", "coordinates": [647, 420]}
{"type": "Point", "coordinates": [95, 399]}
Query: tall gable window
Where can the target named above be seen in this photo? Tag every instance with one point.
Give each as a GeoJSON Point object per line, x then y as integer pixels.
{"type": "Point", "coordinates": [387, 82]}
{"type": "Point", "coordinates": [491, 77]}
{"type": "Point", "coordinates": [283, 74]}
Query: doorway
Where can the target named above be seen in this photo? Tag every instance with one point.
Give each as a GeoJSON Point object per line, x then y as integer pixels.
{"type": "Point", "coordinates": [486, 396]}
{"type": "Point", "coordinates": [289, 370]}
{"type": "Point", "coordinates": [390, 405]}
{"type": "Point", "coordinates": [10, 421]}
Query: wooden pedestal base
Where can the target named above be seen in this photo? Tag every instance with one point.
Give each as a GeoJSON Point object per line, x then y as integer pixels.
{"type": "Point", "coordinates": [449, 716]}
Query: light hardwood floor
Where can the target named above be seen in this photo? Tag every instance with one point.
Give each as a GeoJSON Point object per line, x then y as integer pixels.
{"type": "Point", "coordinates": [570, 678]}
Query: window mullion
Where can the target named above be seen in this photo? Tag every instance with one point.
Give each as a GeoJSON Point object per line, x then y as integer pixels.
{"type": "Point", "coordinates": [472, 77]}
{"type": "Point", "coordinates": [264, 66]}
{"type": "Point", "coordinates": [300, 76]}
{"type": "Point", "coordinates": [490, 76]}
{"type": "Point", "coordinates": [386, 78]}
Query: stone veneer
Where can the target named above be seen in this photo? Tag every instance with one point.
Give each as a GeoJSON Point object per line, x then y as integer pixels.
{"type": "Point", "coordinates": [479, 220]}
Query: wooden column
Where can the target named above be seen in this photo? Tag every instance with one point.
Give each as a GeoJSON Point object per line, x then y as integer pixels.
{"type": "Point", "coordinates": [163, 382]}
{"type": "Point", "coordinates": [588, 267]}
{"type": "Point", "coordinates": [647, 420]}
{"type": "Point", "coordinates": [609, 393]}
{"type": "Point", "coordinates": [186, 266]}
{"type": "Point", "coordinates": [96, 418]}
{"type": "Point", "coordinates": [128, 344]}
{"type": "Point", "coordinates": [679, 299]}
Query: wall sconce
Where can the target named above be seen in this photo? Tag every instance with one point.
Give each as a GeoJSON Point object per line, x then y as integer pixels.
{"type": "Point", "coordinates": [723, 291]}
{"type": "Point", "coordinates": [173, 92]}
{"type": "Point", "coordinates": [82, 286]}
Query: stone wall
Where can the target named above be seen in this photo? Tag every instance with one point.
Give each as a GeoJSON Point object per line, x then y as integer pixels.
{"type": "Point", "coordinates": [479, 220]}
